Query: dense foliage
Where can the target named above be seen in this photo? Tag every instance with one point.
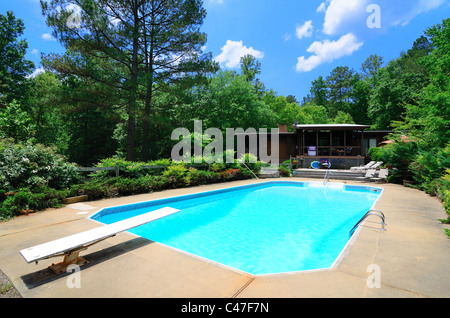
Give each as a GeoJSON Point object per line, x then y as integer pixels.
{"type": "Point", "coordinates": [121, 88]}
{"type": "Point", "coordinates": [33, 166]}
{"type": "Point", "coordinates": [421, 152]}
{"type": "Point", "coordinates": [34, 178]}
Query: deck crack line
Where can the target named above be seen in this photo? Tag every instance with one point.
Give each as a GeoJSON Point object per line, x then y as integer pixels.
{"type": "Point", "coordinates": [243, 287]}
{"type": "Point", "coordinates": [385, 285]}
{"type": "Point", "coordinates": [38, 227]}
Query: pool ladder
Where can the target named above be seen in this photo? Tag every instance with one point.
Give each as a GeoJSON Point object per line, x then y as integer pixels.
{"type": "Point", "coordinates": [369, 213]}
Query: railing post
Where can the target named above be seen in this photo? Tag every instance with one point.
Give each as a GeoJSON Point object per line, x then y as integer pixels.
{"type": "Point", "coordinates": [117, 169]}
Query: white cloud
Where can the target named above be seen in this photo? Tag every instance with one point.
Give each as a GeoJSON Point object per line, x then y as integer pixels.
{"type": "Point", "coordinates": [48, 37]}
{"type": "Point", "coordinates": [341, 11]}
{"type": "Point", "coordinates": [36, 72]}
{"type": "Point", "coordinates": [322, 7]}
{"type": "Point", "coordinates": [328, 51]}
{"type": "Point", "coordinates": [287, 36]}
{"type": "Point", "coordinates": [427, 5]}
{"type": "Point", "coordinates": [305, 30]}
{"type": "Point", "coordinates": [34, 51]}
{"type": "Point", "coordinates": [232, 52]}
{"type": "Point", "coordinates": [423, 6]}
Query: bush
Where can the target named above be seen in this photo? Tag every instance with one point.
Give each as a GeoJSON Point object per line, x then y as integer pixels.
{"type": "Point", "coordinates": [126, 186]}
{"type": "Point", "coordinates": [376, 153]}
{"type": "Point", "coordinates": [400, 155]}
{"type": "Point", "coordinates": [232, 174]}
{"type": "Point", "coordinates": [443, 190]}
{"type": "Point", "coordinates": [175, 176]}
{"type": "Point", "coordinates": [94, 189]}
{"type": "Point", "coordinates": [429, 166]}
{"type": "Point", "coordinates": [133, 180]}
{"type": "Point", "coordinates": [25, 201]}
{"type": "Point", "coordinates": [285, 171]}
{"type": "Point", "coordinates": [251, 162]}
{"type": "Point", "coordinates": [130, 169]}
{"type": "Point", "coordinates": [34, 166]}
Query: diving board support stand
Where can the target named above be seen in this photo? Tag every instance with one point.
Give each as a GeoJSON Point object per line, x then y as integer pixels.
{"type": "Point", "coordinates": [71, 258]}
{"type": "Point", "coordinates": [71, 246]}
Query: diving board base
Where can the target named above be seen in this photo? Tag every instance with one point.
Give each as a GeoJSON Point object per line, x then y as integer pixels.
{"type": "Point", "coordinates": [69, 259]}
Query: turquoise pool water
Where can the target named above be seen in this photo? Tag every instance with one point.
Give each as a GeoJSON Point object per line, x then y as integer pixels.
{"type": "Point", "coordinates": [265, 228]}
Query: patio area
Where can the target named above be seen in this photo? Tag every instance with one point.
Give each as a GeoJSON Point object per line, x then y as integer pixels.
{"type": "Point", "coordinates": [412, 255]}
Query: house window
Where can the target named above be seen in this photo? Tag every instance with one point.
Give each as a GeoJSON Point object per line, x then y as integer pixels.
{"type": "Point", "coordinates": [369, 143]}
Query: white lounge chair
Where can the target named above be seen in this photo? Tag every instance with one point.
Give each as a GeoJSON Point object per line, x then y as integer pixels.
{"type": "Point", "coordinates": [365, 167]}
{"type": "Point", "coordinates": [377, 165]}
{"type": "Point", "coordinates": [369, 174]}
{"type": "Point", "coordinates": [382, 175]}
{"type": "Point", "coordinates": [70, 246]}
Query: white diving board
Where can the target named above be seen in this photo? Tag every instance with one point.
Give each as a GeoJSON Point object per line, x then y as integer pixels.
{"type": "Point", "coordinates": [70, 246]}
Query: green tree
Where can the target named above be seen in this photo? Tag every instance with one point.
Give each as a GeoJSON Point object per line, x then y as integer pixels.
{"type": "Point", "coordinates": [15, 123]}
{"type": "Point", "coordinates": [45, 106]}
{"type": "Point", "coordinates": [360, 96]}
{"type": "Point", "coordinates": [172, 51]}
{"type": "Point", "coordinates": [429, 118]}
{"type": "Point", "coordinates": [426, 119]}
{"type": "Point", "coordinates": [130, 48]}
{"type": "Point", "coordinates": [343, 118]}
{"type": "Point", "coordinates": [291, 99]}
{"type": "Point", "coordinates": [13, 66]}
{"type": "Point", "coordinates": [398, 84]}
{"type": "Point", "coordinates": [340, 84]}
{"type": "Point", "coordinates": [319, 92]}
{"type": "Point", "coordinates": [292, 113]}
{"type": "Point", "coordinates": [230, 101]}
{"type": "Point", "coordinates": [99, 50]}
{"type": "Point", "coordinates": [370, 66]}
{"type": "Point", "coordinates": [315, 114]}
{"type": "Point", "coordinates": [250, 68]}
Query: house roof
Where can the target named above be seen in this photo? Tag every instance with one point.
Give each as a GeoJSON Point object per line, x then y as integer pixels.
{"type": "Point", "coordinates": [333, 126]}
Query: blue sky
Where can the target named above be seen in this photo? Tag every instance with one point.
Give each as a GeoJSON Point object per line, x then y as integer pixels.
{"type": "Point", "coordinates": [295, 41]}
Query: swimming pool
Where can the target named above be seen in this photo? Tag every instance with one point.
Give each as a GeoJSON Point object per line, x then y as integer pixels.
{"type": "Point", "coordinates": [264, 228]}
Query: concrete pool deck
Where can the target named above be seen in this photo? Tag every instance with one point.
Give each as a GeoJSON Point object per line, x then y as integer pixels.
{"type": "Point", "coordinates": [412, 257]}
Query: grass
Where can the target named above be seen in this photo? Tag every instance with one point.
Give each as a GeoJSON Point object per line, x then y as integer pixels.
{"type": "Point", "coordinates": [7, 289]}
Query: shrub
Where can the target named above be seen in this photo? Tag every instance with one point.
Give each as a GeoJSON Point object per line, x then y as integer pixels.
{"type": "Point", "coordinates": [429, 166]}
{"type": "Point", "coordinates": [94, 189]}
{"type": "Point", "coordinates": [400, 155]}
{"type": "Point", "coordinates": [285, 171]}
{"type": "Point", "coordinates": [231, 174]}
{"type": "Point", "coordinates": [376, 153]}
{"type": "Point", "coordinates": [218, 167]}
{"type": "Point", "coordinates": [443, 190]}
{"type": "Point", "coordinates": [175, 175]}
{"type": "Point", "coordinates": [126, 186]}
{"type": "Point", "coordinates": [25, 201]}
{"type": "Point", "coordinates": [133, 180]}
{"type": "Point", "coordinates": [34, 166]}
{"type": "Point", "coordinates": [251, 162]}
{"type": "Point", "coordinates": [129, 168]}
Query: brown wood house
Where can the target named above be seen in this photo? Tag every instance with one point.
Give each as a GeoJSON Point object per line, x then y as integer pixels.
{"type": "Point", "coordinates": [343, 145]}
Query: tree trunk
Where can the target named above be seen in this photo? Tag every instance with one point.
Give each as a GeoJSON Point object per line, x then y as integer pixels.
{"type": "Point", "coordinates": [133, 86]}
{"type": "Point", "coordinates": [149, 95]}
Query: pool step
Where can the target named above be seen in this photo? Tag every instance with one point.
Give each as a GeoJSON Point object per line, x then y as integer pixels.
{"type": "Point", "coordinates": [335, 174]}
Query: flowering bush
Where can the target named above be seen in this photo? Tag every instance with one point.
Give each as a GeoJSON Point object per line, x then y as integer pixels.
{"type": "Point", "coordinates": [33, 166]}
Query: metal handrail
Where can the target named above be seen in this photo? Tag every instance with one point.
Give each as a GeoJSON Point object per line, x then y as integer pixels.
{"type": "Point", "coordinates": [249, 170]}
{"type": "Point", "coordinates": [327, 177]}
{"type": "Point", "coordinates": [371, 212]}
